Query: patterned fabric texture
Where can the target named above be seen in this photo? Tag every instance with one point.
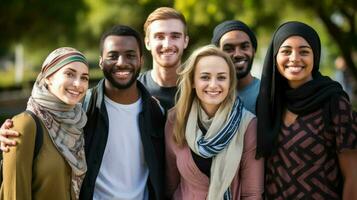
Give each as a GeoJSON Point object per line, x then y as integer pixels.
{"type": "Point", "coordinates": [305, 166]}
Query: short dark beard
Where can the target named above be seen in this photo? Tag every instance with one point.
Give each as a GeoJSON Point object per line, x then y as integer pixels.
{"type": "Point", "coordinates": [243, 74]}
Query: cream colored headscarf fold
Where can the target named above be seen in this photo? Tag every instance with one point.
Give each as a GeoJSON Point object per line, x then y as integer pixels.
{"type": "Point", "coordinates": [224, 164]}
{"type": "Point", "coordinates": [63, 122]}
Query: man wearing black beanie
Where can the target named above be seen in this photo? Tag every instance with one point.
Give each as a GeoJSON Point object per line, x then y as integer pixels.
{"type": "Point", "coordinates": [238, 40]}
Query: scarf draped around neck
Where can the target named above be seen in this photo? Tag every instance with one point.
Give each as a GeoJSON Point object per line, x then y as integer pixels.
{"type": "Point", "coordinates": [221, 142]}
{"type": "Point", "coordinates": [64, 122]}
{"type": "Point", "coordinates": [275, 94]}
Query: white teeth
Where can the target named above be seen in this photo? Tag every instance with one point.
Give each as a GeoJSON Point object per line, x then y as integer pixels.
{"type": "Point", "coordinates": [73, 92]}
{"type": "Point", "coordinates": [212, 92]}
{"type": "Point", "coordinates": [123, 73]}
{"type": "Point", "coordinates": [294, 69]}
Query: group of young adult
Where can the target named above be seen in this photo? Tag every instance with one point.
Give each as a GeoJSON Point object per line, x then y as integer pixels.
{"type": "Point", "coordinates": [131, 138]}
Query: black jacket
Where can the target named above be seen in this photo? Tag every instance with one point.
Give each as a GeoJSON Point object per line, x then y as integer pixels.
{"type": "Point", "coordinates": [151, 125]}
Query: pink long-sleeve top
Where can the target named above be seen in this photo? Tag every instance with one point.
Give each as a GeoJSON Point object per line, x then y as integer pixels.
{"type": "Point", "coordinates": [186, 181]}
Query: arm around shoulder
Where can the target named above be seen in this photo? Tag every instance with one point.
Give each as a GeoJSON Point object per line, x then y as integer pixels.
{"type": "Point", "coordinates": [17, 166]}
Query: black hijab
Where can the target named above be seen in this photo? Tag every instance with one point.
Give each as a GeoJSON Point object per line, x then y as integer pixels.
{"type": "Point", "coordinates": [275, 93]}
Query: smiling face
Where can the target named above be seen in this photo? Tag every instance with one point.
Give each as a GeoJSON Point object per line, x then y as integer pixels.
{"type": "Point", "coordinates": [211, 82]}
{"type": "Point", "coordinates": [166, 40]}
{"type": "Point", "coordinates": [69, 83]}
{"type": "Point", "coordinates": [120, 61]}
{"type": "Point", "coordinates": [295, 61]}
{"type": "Point", "coordinates": [238, 45]}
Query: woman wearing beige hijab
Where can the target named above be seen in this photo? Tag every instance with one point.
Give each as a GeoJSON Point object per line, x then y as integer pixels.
{"type": "Point", "coordinates": [59, 167]}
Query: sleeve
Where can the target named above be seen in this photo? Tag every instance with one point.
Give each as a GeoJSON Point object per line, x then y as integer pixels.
{"type": "Point", "coordinates": [345, 126]}
{"type": "Point", "coordinates": [172, 173]}
{"type": "Point", "coordinates": [17, 166]}
{"type": "Point", "coordinates": [251, 170]}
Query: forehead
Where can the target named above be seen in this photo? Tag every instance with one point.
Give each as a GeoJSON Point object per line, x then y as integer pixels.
{"type": "Point", "coordinates": [167, 26]}
{"type": "Point", "coordinates": [212, 64]}
{"type": "Point", "coordinates": [234, 37]}
{"type": "Point", "coordinates": [79, 67]}
{"type": "Point", "coordinates": [295, 41]}
{"type": "Point", "coordinates": [120, 43]}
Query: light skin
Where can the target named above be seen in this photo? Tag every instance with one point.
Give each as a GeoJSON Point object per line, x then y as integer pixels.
{"type": "Point", "coordinates": [166, 40]}
{"type": "Point", "coordinates": [120, 88]}
{"type": "Point", "coordinates": [211, 82]}
{"type": "Point", "coordinates": [239, 46]}
{"type": "Point", "coordinates": [69, 84]}
{"type": "Point", "coordinates": [295, 63]}
{"type": "Point", "coordinates": [121, 63]}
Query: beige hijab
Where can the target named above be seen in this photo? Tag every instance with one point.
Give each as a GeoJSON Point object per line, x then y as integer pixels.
{"type": "Point", "coordinates": [63, 122]}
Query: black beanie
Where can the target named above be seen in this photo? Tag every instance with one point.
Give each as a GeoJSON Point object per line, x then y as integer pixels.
{"type": "Point", "coordinates": [232, 25]}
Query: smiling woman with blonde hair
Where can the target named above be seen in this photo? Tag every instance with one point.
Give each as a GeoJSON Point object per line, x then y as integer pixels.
{"type": "Point", "coordinates": [210, 137]}
{"type": "Point", "coordinates": [57, 171]}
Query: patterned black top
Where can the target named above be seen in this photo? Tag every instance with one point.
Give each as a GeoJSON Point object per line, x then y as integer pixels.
{"type": "Point", "coordinates": [305, 163]}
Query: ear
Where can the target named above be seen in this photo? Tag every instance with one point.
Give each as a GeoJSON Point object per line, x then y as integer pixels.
{"type": "Point", "coordinates": [187, 39]}
{"type": "Point", "coordinates": [100, 62]}
{"type": "Point", "coordinates": [147, 43]}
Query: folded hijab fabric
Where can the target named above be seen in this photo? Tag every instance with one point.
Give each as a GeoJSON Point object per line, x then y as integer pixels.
{"type": "Point", "coordinates": [64, 122]}
{"type": "Point", "coordinates": [275, 93]}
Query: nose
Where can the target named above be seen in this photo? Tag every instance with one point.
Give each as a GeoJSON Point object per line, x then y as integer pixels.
{"type": "Point", "coordinates": [294, 56]}
{"type": "Point", "coordinates": [77, 82]}
{"type": "Point", "coordinates": [120, 60]}
{"type": "Point", "coordinates": [213, 83]}
{"type": "Point", "coordinates": [237, 52]}
{"type": "Point", "coordinates": [166, 42]}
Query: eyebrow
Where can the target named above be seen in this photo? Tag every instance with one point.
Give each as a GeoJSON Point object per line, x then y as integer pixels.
{"type": "Point", "coordinates": [219, 73]}
{"type": "Point", "coordinates": [170, 33]}
{"type": "Point", "coordinates": [73, 70]}
{"type": "Point", "coordinates": [300, 47]}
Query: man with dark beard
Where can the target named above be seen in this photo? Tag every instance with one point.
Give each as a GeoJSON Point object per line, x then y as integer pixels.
{"type": "Point", "coordinates": [124, 139]}
{"type": "Point", "coordinates": [124, 134]}
{"type": "Point", "coordinates": [238, 40]}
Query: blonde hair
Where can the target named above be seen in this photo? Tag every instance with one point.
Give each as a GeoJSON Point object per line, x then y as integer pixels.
{"type": "Point", "coordinates": [186, 94]}
{"type": "Point", "coordinates": [164, 13]}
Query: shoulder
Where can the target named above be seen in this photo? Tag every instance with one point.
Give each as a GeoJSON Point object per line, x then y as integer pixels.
{"type": "Point", "coordinates": [25, 125]}
{"type": "Point", "coordinates": [145, 76]}
{"type": "Point", "coordinates": [250, 137]}
{"type": "Point", "coordinates": [24, 121]}
{"type": "Point", "coordinates": [171, 115]}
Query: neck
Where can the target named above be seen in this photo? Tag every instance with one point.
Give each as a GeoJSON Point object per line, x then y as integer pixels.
{"type": "Point", "coordinates": [123, 96]}
{"type": "Point", "coordinates": [244, 82]}
{"type": "Point", "coordinates": [164, 76]}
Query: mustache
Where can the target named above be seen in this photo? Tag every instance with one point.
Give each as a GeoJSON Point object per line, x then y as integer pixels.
{"type": "Point", "coordinates": [238, 58]}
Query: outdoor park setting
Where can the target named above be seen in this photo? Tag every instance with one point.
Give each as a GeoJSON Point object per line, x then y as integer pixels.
{"type": "Point", "coordinates": [31, 29]}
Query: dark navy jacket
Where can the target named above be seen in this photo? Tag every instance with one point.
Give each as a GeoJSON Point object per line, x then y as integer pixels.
{"type": "Point", "coordinates": [151, 125]}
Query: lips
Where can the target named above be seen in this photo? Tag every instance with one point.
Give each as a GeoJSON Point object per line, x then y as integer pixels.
{"type": "Point", "coordinates": [294, 69]}
{"type": "Point", "coordinates": [74, 93]}
{"type": "Point", "coordinates": [240, 62]}
{"type": "Point", "coordinates": [213, 93]}
{"type": "Point", "coordinates": [122, 74]}
{"type": "Point", "coordinates": [168, 52]}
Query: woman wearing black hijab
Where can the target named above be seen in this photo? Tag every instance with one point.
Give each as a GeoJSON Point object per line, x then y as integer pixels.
{"type": "Point", "coordinates": [305, 122]}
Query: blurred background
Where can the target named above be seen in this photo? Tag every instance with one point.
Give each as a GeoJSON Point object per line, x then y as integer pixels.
{"type": "Point", "coordinates": [30, 29]}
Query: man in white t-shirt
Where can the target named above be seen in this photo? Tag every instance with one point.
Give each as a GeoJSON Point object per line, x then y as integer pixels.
{"type": "Point", "coordinates": [124, 134]}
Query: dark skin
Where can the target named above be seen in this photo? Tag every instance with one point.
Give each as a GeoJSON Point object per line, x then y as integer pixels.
{"type": "Point", "coordinates": [121, 57]}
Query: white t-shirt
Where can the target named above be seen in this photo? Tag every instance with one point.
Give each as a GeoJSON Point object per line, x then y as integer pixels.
{"type": "Point", "coordinates": [123, 172]}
